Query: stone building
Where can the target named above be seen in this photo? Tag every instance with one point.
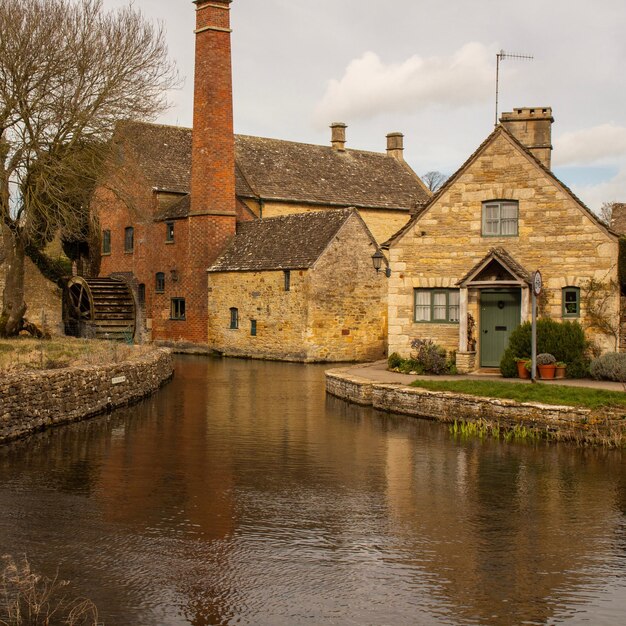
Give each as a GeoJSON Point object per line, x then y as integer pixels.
{"type": "Point", "coordinates": [299, 287]}
{"type": "Point", "coordinates": [174, 198]}
{"type": "Point", "coordinates": [461, 267]}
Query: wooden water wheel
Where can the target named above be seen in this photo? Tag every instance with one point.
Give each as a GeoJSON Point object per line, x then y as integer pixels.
{"type": "Point", "coordinates": [99, 308]}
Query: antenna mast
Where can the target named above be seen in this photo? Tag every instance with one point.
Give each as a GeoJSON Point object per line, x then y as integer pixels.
{"type": "Point", "coordinates": [500, 57]}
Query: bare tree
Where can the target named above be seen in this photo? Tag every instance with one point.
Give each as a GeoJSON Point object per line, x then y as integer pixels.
{"type": "Point", "coordinates": [434, 180]}
{"type": "Point", "coordinates": [69, 71]}
{"type": "Point", "coordinates": [606, 212]}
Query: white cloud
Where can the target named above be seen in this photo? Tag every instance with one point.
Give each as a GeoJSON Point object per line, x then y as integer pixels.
{"type": "Point", "coordinates": [613, 190]}
{"type": "Point", "coordinates": [369, 86]}
{"type": "Point", "coordinates": [590, 145]}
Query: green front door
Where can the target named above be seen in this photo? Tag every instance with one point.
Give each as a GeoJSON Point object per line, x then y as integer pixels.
{"type": "Point", "coordinates": [499, 316]}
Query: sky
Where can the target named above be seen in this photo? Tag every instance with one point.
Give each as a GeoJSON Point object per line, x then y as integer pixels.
{"type": "Point", "coordinates": [426, 69]}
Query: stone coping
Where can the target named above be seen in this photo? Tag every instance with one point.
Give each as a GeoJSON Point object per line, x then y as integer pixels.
{"type": "Point", "coordinates": [34, 400]}
{"type": "Point", "coordinates": [579, 424]}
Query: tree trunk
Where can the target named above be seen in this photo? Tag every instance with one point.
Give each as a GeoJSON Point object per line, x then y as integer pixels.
{"type": "Point", "coordinates": [13, 305]}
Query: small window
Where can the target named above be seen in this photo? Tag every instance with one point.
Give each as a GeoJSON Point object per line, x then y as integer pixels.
{"type": "Point", "coordinates": [571, 302]}
{"type": "Point", "coordinates": [234, 318]}
{"type": "Point", "coordinates": [159, 284]}
{"type": "Point", "coordinates": [437, 305]}
{"type": "Point", "coordinates": [287, 280]}
{"type": "Point", "coordinates": [106, 242]}
{"type": "Point", "coordinates": [169, 232]}
{"type": "Point", "coordinates": [500, 219]}
{"type": "Point", "coordinates": [141, 294]}
{"type": "Point", "coordinates": [253, 328]}
{"type": "Point", "coordinates": [129, 239]}
{"type": "Point", "coordinates": [177, 311]}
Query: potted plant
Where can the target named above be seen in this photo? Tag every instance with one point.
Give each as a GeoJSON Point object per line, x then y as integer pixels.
{"type": "Point", "coordinates": [560, 369]}
{"type": "Point", "coordinates": [546, 364]}
{"type": "Point", "coordinates": [523, 367]}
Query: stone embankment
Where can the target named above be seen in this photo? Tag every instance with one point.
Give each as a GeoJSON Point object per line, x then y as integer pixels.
{"type": "Point", "coordinates": [556, 422]}
{"type": "Point", "coordinates": [34, 400]}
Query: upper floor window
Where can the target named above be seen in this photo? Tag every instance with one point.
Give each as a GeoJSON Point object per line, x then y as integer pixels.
{"type": "Point", "coordinates": [129, 239]}
{"type": "Point", "coordinates": [571, 301]}
{"type": "Point", "coordinates": [500, 218]}
{"type": "Point", "coordinates": [159, 283]}
{"type": "Point", "coordinates": [169, 232]}
{"type": "Point", "coordinates": [177, 310]}
{"type": "Point", "coordinates": [287, 280]}
{"type": "Point", "coordinates": [141, 294]}
{"type": "Point", "coordinates": [106, 242]}
{"type": "Point", "coordinates": [234, 318]}
{"type": "Point", "coordinates": [437, 305]}
{"type": "Point", "coordinates": [253, 328]}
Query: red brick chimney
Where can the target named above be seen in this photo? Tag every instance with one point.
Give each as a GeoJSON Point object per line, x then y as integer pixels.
{"type": "Point", "coordinates": [213, 162]}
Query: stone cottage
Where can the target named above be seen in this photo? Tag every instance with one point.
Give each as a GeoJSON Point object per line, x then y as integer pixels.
{"type": "Point", "coordinates": [299, 287]}
{"type": "Point", "coordinates": [461, 267]}
{"type": "Point", "coordinates": [174, 198]}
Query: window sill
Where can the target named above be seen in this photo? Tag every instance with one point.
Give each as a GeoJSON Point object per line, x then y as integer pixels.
{"type": "Point", "coordinates": [169, 243]}
{"type": "Point", "coordinates": [129, 252]}
{"type": "Point", "coordinates": [178, 319]}
{"type": "Point", "coordinates": [105, 254]}
{"type": "Point", "coordinates": [436, 322]}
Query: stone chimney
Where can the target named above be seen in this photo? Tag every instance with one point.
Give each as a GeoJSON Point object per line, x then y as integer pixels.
{"type": "Point", "coordinates": [213, 141]}
{"type": "Point", "coordinates": [395, 146]}
{"type": "Point", "coordinates": [338, 136]}
{"type": "Point", "coordinates": [533, 128]}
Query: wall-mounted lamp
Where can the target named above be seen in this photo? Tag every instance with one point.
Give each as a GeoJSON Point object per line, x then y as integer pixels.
{"type": "Point", "coordinates": [377, 260]}
{"type": "Point", "coordinates": [174, 274]}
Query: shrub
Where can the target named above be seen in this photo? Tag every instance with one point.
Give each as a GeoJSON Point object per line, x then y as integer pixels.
{"type": "Point", "coordinates": [565, 340]}
{"type": "Point", "coordinates": [394, 360]}
{"type": "Point", "coordinates": [545, 358]}
{"type": "Point", "coordinates": [431, 357]}
{"type": "Point", "coordinates": [610, 366]}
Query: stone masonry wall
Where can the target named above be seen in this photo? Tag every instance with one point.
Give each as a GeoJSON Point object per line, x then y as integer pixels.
{"type": "Point", "coordinates": [33, 401]}
{"type": "Point", "coordinates": [556, 235]}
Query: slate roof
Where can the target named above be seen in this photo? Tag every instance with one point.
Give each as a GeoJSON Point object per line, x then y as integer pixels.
{"type": "Point", "coordinates": [505, 259]}
{"type": "Point", "coordinates": [176, 211]}
{"type": "Point", "coordinates": [282, 170]}
{"type": "Point", "coordinates": [288, 242]}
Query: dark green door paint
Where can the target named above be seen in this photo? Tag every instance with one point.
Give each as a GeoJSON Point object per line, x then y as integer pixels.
{"type": "Point", "coordinates": [499, 317]}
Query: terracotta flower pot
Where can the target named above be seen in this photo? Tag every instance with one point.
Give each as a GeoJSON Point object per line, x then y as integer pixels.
{"type": "Point", "coordinates": [560, 371]}
{"type": "Point", "coordinates": [546, 372]}
{"type": "Point", "coordinates": [522, 371]}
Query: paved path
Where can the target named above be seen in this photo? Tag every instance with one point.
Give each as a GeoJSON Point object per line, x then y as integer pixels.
{"type": "Point", "coordinates": [378, 372]}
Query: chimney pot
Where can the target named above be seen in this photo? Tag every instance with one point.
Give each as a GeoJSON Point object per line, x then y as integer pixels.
{"type": "Point", "coordinates": [338, 136]}
{"type": "Point", "coordinates": [395, 146]}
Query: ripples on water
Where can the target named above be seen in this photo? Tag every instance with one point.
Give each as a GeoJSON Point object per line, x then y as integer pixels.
{"type": "Point", "coordinates": [241, 494]}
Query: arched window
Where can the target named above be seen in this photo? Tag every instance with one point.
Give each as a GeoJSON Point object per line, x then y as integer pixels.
{"type": "Point", "coordinates": [129, 239]}
{"type": "Point", "coordinates": [571, 301]}
{"type": "Point", "coordinates": [159, 285]}
{"type": "Point", "coordinates": [234, 318]}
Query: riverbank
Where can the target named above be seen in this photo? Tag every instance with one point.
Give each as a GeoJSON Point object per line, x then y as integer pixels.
{"type": "Point", "coordinates": [387, 391]}
{"type": "Point", "coordinates": [33, 400]}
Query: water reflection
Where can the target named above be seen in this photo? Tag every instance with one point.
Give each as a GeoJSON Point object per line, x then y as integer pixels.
{"type": "Point", "coordinates": [242, 494]}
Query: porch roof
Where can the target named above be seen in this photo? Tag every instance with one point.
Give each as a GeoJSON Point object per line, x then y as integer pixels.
{"type": "Point", "coordinates": [519, 275]}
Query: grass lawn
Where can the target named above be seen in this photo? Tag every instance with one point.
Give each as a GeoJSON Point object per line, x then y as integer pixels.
{"type": "Point", "coordinates": [546, 394]}
{"type": "Point", "coordinates": [25, 353]}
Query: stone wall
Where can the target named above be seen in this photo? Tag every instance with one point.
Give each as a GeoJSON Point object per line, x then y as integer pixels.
{"type": "Point", "coordinates": [556, 235]}
{"type": "Point", "coordinates": [32, 401]}
{"type": "Point", "coordinates": [561, 422]}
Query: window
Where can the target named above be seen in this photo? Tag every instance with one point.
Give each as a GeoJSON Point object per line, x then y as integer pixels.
{"type": "Point", "coordinates": [159, 284]}
{"type": "Point", "coordinates": [500, 218]}
{"type": "Point", "coordinates": [234, 318]}
{"type": "Point", "coordinates": [106, 242]}
{"type": "Point", "coordinates": [129, 239]}
{"type": "Point", "coordinates": [437, 305]}
{"type": "Point", "coordinates": [253, 328]}
{"type": "Point", "coordinates": [177, 310]}
{"type": "Point", "coordinates": [571, 302]}
{"type": "Point", "coordinates": [169, 232]}
{"type": "Point", "coordinates": [141, 294]}
{"type": "Point", "coordinates": [287, 280]}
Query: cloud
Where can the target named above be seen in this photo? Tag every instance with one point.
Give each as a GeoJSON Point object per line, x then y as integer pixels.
{"type": "Point", "coordinates": [613, 190]}
{"type": "Point", "coordinates": [590, 145]}
{"type": "Point", "coordinates": [369, 86]}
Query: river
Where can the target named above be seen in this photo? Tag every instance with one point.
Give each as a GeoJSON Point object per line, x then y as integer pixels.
{"type": "Point", "coordinates": [241, 494]}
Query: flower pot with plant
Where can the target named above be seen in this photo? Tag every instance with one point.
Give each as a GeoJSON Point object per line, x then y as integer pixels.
{"type": "Point", "coordinates": [546, 364]}
{"type": "Point", "coordinates": [523, 367]}
{"type": "Point", "coordinates": [559, 372]}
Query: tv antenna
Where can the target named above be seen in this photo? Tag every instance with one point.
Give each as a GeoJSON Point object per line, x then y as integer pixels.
{"type": "Point", "coordinates": [500, 57]}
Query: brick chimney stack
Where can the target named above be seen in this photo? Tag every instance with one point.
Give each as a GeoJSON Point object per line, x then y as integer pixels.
{"type": "Point", "coordinates": [338, 136]}
{"type": "Point", "coordinates": [532, 127]}
{"type": "Point", "coordinates": [395, 146]}
{"type": "Point", "coordinates": [213, 148]}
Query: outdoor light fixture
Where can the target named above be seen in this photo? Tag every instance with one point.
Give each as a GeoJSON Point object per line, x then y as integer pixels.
{"type": "Point", "coordinates": [377, 260]}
